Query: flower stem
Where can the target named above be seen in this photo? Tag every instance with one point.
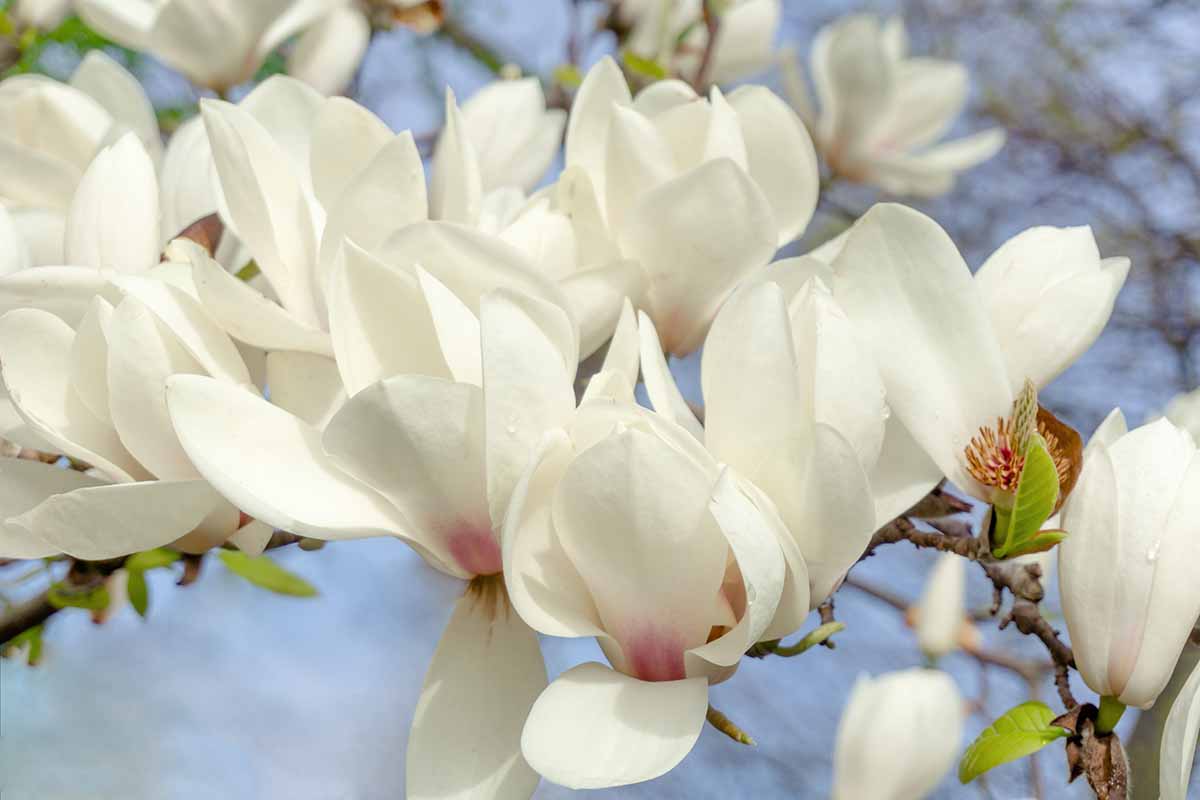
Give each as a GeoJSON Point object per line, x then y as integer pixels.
{"type": "Point", "coordinates": [1111, 710]}
{"type": "Point", "coordinates": [813, 639]}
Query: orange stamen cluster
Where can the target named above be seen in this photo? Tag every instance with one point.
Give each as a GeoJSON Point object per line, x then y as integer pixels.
{"type": "Point", "coordinates": [993, 458]}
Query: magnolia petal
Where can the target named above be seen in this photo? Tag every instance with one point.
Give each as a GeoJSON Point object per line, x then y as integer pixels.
{"type": "Point", "coordinates": [345, 138]}
{"type": "Point", "coordinates": [457, 186]}
{"type": "Point", "coordinates": [933, 172]}
{"type": "Point", "coordinates": [35, 356]}
{"type": "Point", "coordinates": [380, 323]}
{"type": "Point", "coordinates": [16, 252]}
{"type": "Point", "coordinates": [780, 158]}
{"type": "Point", "coordinates": [624, 350]}
{"type": "Point", "coordinates": [306, 385]}
{"type": "Point", "coordinates": [119, 20]}
{"type": "Point", "coordinates": [513, 133]}
{"type": "Point", "coordinates": [387, 195]}
{"type": "Point", "coordinates": [327, 55]}
{"type": "Point", "coordinates": [661, 388]}
{"type": "Point", "coordinates": [142, 354]}
{"type": "Point", "coordinates": [24, 485]}
{"type": "Point", "coordinates": [942, 610]}
{"type": "Point", "coordinates": [252, 538]}
{"type": "Point", "coordinates": [587, 128]}
{"type": "Point", "coordinates": [122, 96]}
{"type": "Point", "coordinates": [89, 358]}
{"type": "Point", "coordinates": [745, 39]}
{"type": "Point", "coordinates": [902, 475]}
{"type": "Point", "coordinates": [760, 563]}
{"type": "Point", "coordinates": [270, 464]}
{"type": "Point", "coordinates": [267, 202]}
{"type": "Point", "coordinates": [624, 510]}
{"type": "Point", "coordinates": [100, 522]}
{"type": "Point", "coordinates": [543, 585]}
{"type": "Point", "coordinates": [528, 379]}
{"type": "Point", "coordinates": [485, 675]}
{"type": "Point", "coordinates": [752, 397]}
{"type": "Point", "coordinates": [419, 442]}
{"type": "Point", "coordinates": [1087, 594]}
{"type": "Point", "coordinates": [187, 179]}
{"type": "Point", "coordinates": [187, 319]}
{"type": "Point", "coordinates": [637, 158]}
{"type": "Point", "coordinates": [576, 198]}
{"type": "Point", "coordinates": [662, 96]}
{"type": "Point", "coordinates": [595, 297]}
{"type": "Point", "coordinates": [113, 219]}
{"type": "Point", "coordinates": [594, 728]}
{"type": "Point", "coordinates": [249, 316]}
{"type": "Point", "coordinates": [916, 308]}
{"type": "Point", "coordinates": [456, 327]}
{"type": "Point", "coordinates": [695, 252]}
{"type": "Point", "coordinates": [1178, 748]}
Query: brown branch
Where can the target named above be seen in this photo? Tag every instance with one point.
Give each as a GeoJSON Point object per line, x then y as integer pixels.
{"type": "Point", "coordinates": [712, 24]}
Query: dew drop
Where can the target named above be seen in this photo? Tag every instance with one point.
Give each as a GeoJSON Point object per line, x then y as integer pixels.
{"type": "Point", "coordinates": [1152, 553]}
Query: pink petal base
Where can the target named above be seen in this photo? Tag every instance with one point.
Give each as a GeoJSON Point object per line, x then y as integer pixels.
{"type": "Point", "coordinates": [475, 549]}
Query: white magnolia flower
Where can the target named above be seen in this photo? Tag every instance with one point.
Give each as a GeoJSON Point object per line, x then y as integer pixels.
{"type": "Point", "coordinates": [637, 194]}
{"type": "Point", "coordinates": [672, 32]}
{"type": "Point", "coordinates": [49, 134]}
{"type": "Point", "coordinates": [514, 135]}
{"type": "Point", "coordinates": [954, 350]}
{"type": "Point", "coordinates": [432, 462]}
{"type": "Point", "coordinates": [42, 14]}
{"type": "Point", "coordinates": [795, 404]}
{"type": "Point", "coordinates": [1184, 411]}
{"type": "Point", "coordinates": [882, 111]}
{"type": "Point", "coordinates": [327, 56]}
{"type": "Point", "coordinates": [1126, 567]}
{"type": "Point", "coordinates": [95, 394]}
{"type": "Point", "coordinates": [942, 613]}
{"type": "Point", "coordinates": [625, 529]}
{"type": "Point", "coordinates": [217, 44]}
{"type": "Point", "coordinates": [898, 736]}
{"type": "Point", "coordinates": [1178, 748]}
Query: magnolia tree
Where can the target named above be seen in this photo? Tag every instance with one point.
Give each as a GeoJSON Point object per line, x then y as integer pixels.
{"type": "Point", "coordinates": [287, 327]}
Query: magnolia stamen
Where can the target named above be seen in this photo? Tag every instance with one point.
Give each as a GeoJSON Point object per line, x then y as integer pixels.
{"type": "Point", "coordinates": [993, 459]}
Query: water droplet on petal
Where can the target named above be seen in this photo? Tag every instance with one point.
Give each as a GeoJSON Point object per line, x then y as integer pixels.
{"type": "Point", "coordinates": [1152, 553]}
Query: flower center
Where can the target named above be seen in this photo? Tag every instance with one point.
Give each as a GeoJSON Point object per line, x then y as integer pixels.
{"type": "Point", "coordinates": [993, 458]}
{"type": "Point", "coordinates": [475, 550]}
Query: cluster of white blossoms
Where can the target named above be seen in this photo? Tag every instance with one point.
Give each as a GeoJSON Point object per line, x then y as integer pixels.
{"type": "Point", "coordinates": [402, 361]}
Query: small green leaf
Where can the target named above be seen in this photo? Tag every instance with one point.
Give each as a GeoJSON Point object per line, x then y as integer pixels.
{"type": "Point", "coordinates": [151, 559]}
{"type": "Point", "coordinates": [64, 595]}
{"type": "Point", "coordinates": [1040, 543]}
{"type": "Point", "coordinates": [265, 573]}
{"type": "Point", "coordinates": [248, 272]}
{"type": "Point", "coordinates": [1037, 492]}
{"type": "Point", "coordinates": [1017, 733]}
{"type": "Point", "coordinates": [139, 593]}
{"type": "Point", "coordinates": [646, 67]}
{"type": "Point", "coordinates": [31, 637]}
{"type": "Point", "coordinates": [568, 75]}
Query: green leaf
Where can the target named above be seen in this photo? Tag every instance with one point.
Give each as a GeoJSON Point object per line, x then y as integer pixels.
{"type": "Point", "coordinates": [31, 637]}
{"type": "Point", "coordinates": [1037, 492]}
{"type": "Point", "coordinates": [646, 67]}
{"type": "Point", "coordinates": [568, 75]}
{"type": "Point", "coordinates": [1017, 733]}
{"type": "Point", "coordinates": [248, 272]}
{"type": "Point", "coordinates": [1040, 543]}
{"type": "Point", "coordinates": [64, 595]}
{"type": "Point", "coordinates": [139, 593]}
{"type": "Point", "coordinates": [265, 573]}
{"type": "Point", "coordinates": [151, 559]}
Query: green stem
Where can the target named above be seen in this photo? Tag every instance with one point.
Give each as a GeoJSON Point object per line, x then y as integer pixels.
{"type": "Point", "coordinates": [812, 639]}
{"type": "Point", "coordinates": [1111, 710]}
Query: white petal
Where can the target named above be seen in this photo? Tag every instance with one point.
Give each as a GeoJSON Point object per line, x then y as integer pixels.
{"type": "Point", "coordinates": [745, 40]}
{"type": "Point", "coordinates": [89, 358]}
{"type": "Point", "coordinates": [457, 185]}
{"type": "Point", "coordinates": [35, 352]}
{"type": "Point", "coordinates": [327, 55]}
{"type": "Point", "coordinates": [418, 441]}
{"type": "Point", "coordinates": [113, 220]}
{"type": "Point", "coordinates": [626, 510]}
{"type": "Point", "coordinates": [456, 327]}
{"type": "Point", "coordinates": [528, 381]}
{"type": "Point", "coordinates": [120, 20]}
{"type": "Point", "coordinates": [903, 474]}
{"type": "Point", "coordinates": [380, 323]}
{"type": "Point", "coordinates": [780, 157]}
{"type": "Point", "coordinates": [187, 178]}
{"type": "Point", "coordinates": [513, 133]}
{"type": "Point", "coordinates": [65, 292]}
{"type": "Point", "coordinates": [485, 675]}
{"type": "Point", "coordinates": [24, 485]}
{"type": "Point", "coordinates": [661, 388]}
{"type": "Point", "coordinates": [1178, 748]}
{"type": "Point", "coordinates": [637, 158]}
{"type": "Point", "coordinates": [247, 315]}
{"type": "Point", "coordinates": [41, 233]}
{"type": "Point", "coordinates": [345, 137]}
{"type": "Point", "coordinates": [694, 252]}
{"type": "Point", "coordinates": [624, 350]}
{"type": "Point", "coordinates": [100, 522]}
{"type": "Point", "coordinates": [595, 297]}
{"type": "Point", "coordinates": [942, 610]}
{"type": "Point", "coordinates": [270, 210]}
{"type": "Point", "coordinates": [593, 728]}
{"type": "Point", "coordinates": [120, 93]}
{"type": "Point", "coordinates": [543, 584]}
{"type": "Point", "coordinates": [587, 128]}
{"type": "Point", "coordinates": [306, 385]}
{"type": "Point", "coordinates": [270, 464]}
{"type": "Point", "coordinates": [914, 303]}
